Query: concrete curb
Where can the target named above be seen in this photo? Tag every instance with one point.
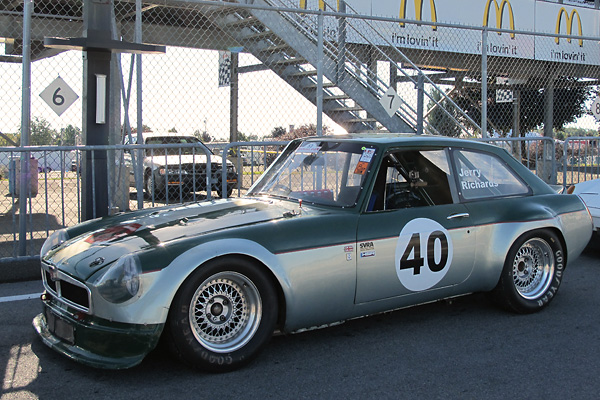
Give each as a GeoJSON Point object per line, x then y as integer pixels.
{"type": "Point", "coordinates": [20, 269]}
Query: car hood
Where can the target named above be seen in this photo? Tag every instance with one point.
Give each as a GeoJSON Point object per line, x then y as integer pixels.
{"type": "Point", "coordinates": [85, 254]}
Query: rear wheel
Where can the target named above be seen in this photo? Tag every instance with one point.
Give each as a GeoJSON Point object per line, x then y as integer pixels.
{"type": "Point", "coordinates": [532, 272]}
{"type": "Point", "coordinates": [229, 191]}
{"type": "Point", "coordinates": [223, 314]}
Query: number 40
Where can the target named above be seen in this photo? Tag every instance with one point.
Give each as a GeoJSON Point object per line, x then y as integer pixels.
{"type": "Point", "coordinates": [417, 261]}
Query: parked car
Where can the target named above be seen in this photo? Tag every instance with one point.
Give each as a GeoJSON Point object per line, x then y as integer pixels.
{"type": "Point", "coordinates": [171, 166]}
{"type": "Point", "coordinates": [337, 228]}
{"type": "Point", "coordinates": [589, 191]}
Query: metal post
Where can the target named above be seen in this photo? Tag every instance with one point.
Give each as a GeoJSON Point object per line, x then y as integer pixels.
{"type": "Point", "coordinates": [341, 62]}
{"type": "Point", "coordinates": [233, 100]}
{"type": "Point", "coordinates": [139, 182]}
{"type": "Point", "coordinates": [320, 56]}
{"type": "Point", "coordinates": [516, 112]}
{"type": "Point", "coordinates": [25, 127]}
{"type": "Point", "coordinates": [484, 77]}
{"type": "Point", "coordinates": [393, 76]}
{"type": "Point", "coordinates": [549, 173]}
{"type": "Point", "coordinates": [420, 101]}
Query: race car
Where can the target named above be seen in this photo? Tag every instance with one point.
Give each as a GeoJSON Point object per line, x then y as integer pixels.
{"type": "Point", "coordinates": [337, 228]}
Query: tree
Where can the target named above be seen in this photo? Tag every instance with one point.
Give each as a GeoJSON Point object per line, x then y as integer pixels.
{"type": "Point", "coordinates": [440, 117]}
{"type": "Point", "coordinates": [9, 139]}
{"type": "Point", "coordinates": [303, 131]}
{"type": "Point", "coordinates": [569, 104]}
{"type": "Point", "coordinates": [278, 131]}
{"type": "Point", "coordinates": [172, 130]}
{"type": "Point", "coordinates": [41, 134]}
{"type": "Point", "coordinates": [145, 128]}
{"type": "Point", "coordinates": [69, 135]}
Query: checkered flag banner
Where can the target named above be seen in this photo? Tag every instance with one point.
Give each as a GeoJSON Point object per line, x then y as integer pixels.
{"type": "Point", "coordinates": [224, 68]}
{"type": "Point", "coordinates": [503, 95]}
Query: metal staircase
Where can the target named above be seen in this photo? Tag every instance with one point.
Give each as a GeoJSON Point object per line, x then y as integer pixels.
{"type": "Point", "coordinates": [287, 43]}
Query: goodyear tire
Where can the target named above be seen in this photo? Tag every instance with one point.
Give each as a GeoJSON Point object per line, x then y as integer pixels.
{"type": "Point", "coordinates": [532, 272]}
{"type": "Point", "coordinates": [222, 315]}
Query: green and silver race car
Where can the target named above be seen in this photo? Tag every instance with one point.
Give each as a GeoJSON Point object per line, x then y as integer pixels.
{"type": "Point", "coordinates": [337, 228]}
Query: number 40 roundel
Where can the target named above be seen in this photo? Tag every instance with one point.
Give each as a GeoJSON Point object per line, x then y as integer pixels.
{"type": "Point", "coordinates": [423, 254]}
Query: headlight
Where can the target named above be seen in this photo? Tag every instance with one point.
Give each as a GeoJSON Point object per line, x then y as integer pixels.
{"type": "Point", "coordinates": [163, 171]}
{"type": "Point", "coordinates": [121, 281]}
{"type": "Point", "coordinates": [54, 240]}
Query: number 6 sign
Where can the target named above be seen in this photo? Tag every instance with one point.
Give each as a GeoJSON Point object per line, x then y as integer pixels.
{"type": "Point", "coordinates": [59, 96]}
{"type": "Point", "coordinates": [423, 254]}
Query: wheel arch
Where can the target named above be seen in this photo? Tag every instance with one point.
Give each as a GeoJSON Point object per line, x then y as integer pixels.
{"type": "Point", "coordinates": [183, 266]}
{"type": "Point", "coordinates": [281, 302]}
{"type": "Point", "coordinates": [490, 261]}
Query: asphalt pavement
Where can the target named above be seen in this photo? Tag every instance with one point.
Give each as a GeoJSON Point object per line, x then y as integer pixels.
{"type": "Point", "coordinates": [460, 349]}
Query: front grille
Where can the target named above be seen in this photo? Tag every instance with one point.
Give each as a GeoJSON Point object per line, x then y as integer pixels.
{"type": "Point", "coordinates": [66, 289]}
{"type": "Point", "coordinates": [194, 168]}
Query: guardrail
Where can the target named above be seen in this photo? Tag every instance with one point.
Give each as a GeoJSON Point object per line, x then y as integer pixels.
{"type": "Point", "coordinates": [536, 153]}
{"type": "Point", "coordinates": [580, 159]}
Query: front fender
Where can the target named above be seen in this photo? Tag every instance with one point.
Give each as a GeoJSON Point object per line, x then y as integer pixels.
{"type": "Point", "coordinates": [159, 287]}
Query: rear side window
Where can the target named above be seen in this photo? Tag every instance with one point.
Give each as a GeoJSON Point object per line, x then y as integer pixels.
{"type": "Point", "coordinates": [483, 175]}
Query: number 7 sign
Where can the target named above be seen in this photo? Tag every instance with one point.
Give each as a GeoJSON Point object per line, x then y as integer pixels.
{"type": "Point", "coordinates": [59, 96]}
{"type": "Point", "coordinates": [391, 101]}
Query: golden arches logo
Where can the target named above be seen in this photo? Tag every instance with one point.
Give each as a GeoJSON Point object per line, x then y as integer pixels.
{"type": "Point", "coordinates": [322, 4]}
{"type": "Point", "coordinates": [499, 8]}
{"type": "Point", "coordinates": [418, 11]}
{"type": "Point", "coordinates": [569, 19]}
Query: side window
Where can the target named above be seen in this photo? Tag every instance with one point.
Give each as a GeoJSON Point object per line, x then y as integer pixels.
{"type": "Point", "coordinates": [483, 175]}
{"type": "Point", "coordinates": [414, 178]}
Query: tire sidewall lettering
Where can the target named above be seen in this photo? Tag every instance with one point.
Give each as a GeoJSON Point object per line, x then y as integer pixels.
{"type": "Point", "coordinates": [556, 280]}
{"type": "Point", "coordinates": [423, 254]}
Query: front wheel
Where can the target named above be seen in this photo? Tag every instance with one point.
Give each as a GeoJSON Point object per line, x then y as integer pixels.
{"type": "Point", "coordinates": [222, 315]}
{"type": "Point", "coordinates": [532, 272]}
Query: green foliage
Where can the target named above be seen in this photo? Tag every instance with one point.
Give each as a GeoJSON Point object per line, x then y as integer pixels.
{"type": "Point", "coordinates": [569, 104]}
{"type": "Point", "coordinates": [9, 139]}
{"type": "Point", "coordinates": [278, 132]}
{"type": "Point", "coordinates": [41, 133]}
{"type": "Point", "coordinates": [441, 115]}
{"type": "Point", "coordinates": [303, 131]}
{"type": "Point", "coordinates": [69, 135]}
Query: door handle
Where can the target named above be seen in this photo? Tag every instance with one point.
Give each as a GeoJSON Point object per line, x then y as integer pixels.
{"type": "Point", "coordinates": [458, 215]}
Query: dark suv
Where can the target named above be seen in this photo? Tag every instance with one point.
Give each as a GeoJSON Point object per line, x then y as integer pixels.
{"type": "Point", "coordinates": [173, 166]}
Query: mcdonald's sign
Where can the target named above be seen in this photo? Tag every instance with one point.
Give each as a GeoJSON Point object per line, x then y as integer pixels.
{"type": "Point", "coordinates": [569, 19]}
{"type": "Point", "coordinates": [499, 8]}
{"type": "Point", "coordinates": [322, 4]}
{"type": "Point", "coordinates": [418, 11]}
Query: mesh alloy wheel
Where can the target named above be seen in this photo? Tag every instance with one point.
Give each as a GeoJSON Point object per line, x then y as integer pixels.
{"type": "Point", "coordinates": [225, 312]}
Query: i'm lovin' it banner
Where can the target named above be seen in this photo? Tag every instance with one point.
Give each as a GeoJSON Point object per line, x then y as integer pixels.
{"type": "Point", "coordinates": [520, 15]}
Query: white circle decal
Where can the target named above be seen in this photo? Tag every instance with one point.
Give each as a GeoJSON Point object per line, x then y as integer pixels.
{"type": "Point", "coordinates": [423, 254]}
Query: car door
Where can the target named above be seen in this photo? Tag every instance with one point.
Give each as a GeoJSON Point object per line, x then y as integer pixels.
{"type": "Point", "coordinates": [413, 235]}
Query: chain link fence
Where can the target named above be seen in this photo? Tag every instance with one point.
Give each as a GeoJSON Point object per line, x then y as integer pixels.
{"type": "Point", "coordinates": [238, 73]}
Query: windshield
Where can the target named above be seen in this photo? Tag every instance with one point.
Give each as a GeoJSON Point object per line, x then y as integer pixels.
{"type": "Point", "coordinates": [176, 150]}
{"type": "Point", "coordinates": [325, 173]}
